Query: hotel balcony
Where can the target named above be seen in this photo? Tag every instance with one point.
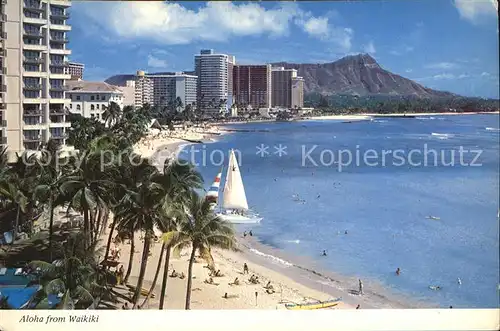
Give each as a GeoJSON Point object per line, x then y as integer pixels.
{"type": "Point", "coordinates": [61, 16]}
{"type": "Point", "coordinates": [60, 124]}
{"type": "Point", "coordinates": [32, 60]}
{"type": "Point", "coordinates": [58, 88]}
{"type": "Point", "coordinates": [59, 100]}
{"type": "Point", "coordinates": [61, 3]}
{"type": "Point", "coordinates": [32, 138]}
{"type": "Point", "coordinates": [33, 6]}
{"type": "Point", "coordinates": [60, 51]}
{"type": "Point", "coordinates": [33, 123]}
{"type": "Point", "coordinates": [60, 27]}
{"type": "Point", "coordinates": [32, 101]}
{"type": "Point", "coordinates": [32, 113]}
{"type": "Point", "coordinates": [59, 40]}
{"type": "Point", "coordinates": [59, 76]}
{"type": "Point", "coordinates": [35, 20]}
{"type": "Point", "coordinates": [33, 87]}
{"type": "Point", "coordinates": [34, 47]}
{"type": "Point", "coordinates": [57, 111]}
{"type": "Point", "coordinates": [32, 34]}
{"type": "Point", "coordinates": [59, 63]}
{"type": "Point", "coordinates": [36, 74]}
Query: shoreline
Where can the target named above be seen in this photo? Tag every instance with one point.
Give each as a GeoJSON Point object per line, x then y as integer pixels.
{"type": "Point", "coordinates": [296, 279]}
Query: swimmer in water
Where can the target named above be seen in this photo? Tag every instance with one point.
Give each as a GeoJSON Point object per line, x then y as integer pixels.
{"type": "Point", "coordinates": [398, 271]}
{"type": "Point", "coordinates": [324, 253]}
{"type": "Point", "coordinates": [318, 196]}
{"type": "Point", "coordinates": [459, 281]}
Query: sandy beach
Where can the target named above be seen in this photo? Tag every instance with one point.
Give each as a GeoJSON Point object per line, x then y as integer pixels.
{"type": "Point", "coordinates": [292, 283]}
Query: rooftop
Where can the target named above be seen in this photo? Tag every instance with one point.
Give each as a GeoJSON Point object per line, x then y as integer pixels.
{"type": "Point", "coordinates": [84, 86]}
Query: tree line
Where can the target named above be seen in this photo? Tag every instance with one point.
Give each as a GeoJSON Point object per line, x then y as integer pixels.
{"type": "Point", "coordinates": [128, 195]}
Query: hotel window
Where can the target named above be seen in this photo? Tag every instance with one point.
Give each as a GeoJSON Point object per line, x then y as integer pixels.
{"type": "Point", "coordinates": [103, 98]}
{"type": "Point", "coordinates": [78, 107]}
{"type": "Point", "coordinates": [92, 97]}
{"type": "Point", "coordinates": [91, 107]}
{"type": "Point", "coordinates": [70, 106]}
{"type": "Point", "coordinates": [77, 97]}
{"type": "Point", "coordinates": [97, 106]}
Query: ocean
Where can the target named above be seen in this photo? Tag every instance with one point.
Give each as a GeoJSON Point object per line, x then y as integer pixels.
{"type": "Point", "coordinates": [420, 194]}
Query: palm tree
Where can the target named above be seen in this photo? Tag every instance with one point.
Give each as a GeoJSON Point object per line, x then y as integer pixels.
{"type": "Point", "coordinates": [178, 180]}
{"type": "Point", "coordinates": [75, 274]}
{"type": "Point", "coordinates": [140, 211]}
{"type": "Point", "coordinates": [178, 104]}
{"type": "Point", "coordinates": [88, 186]}
{"type": "Point", "coordinates": [201, 229]}
{"type": "Point", "coordinates": [111, 114]}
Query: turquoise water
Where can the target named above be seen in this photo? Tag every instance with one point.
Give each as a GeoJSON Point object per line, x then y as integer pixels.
{"type": "Point", "coordinates": [383, 208]}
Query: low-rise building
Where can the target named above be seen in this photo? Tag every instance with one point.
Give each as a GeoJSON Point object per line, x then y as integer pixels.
{"type": "Point", "coordinates": [90, 99]}
{"type": "Point", "coordinates": [75, 70]}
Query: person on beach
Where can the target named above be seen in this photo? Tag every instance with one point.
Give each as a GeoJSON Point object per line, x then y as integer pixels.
{"type": "Point", "coordinates": [125, 306]}
{"type": "Point", "coordinates": [250, 233]}
{"type": "Point", "coordinates": [244, 234]}
{"type": "Point", "coordinates": [245, 268]}
{"type": "Point", "coordinates": [324, 253]}
{"type": "Point", "coordinates": [398, 271]}
{"type": "Point", "coordinates": [360, 287]}
{"type": "Point", "coordinates": [358, 306]}
{"type": "Point", "coordinates": [174, 274]}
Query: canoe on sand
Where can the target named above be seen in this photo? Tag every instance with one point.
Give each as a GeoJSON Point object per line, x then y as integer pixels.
{"type": "Point", "coordinates": [314, 305]}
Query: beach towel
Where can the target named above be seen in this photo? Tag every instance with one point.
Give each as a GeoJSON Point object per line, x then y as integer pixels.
{"type": "Point", "coordinates": [8, 237]}
{"type": "Point", "coordinates": [3, 271]}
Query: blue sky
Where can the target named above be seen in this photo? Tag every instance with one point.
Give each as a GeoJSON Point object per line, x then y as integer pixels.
{"type": "Point", "coordinates": [443, 44]}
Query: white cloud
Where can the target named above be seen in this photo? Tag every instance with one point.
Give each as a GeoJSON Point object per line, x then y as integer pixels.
{"type": "Point", "coordinates": [445, 76]}
{"type": "Point", "coordinates": [316, 26]}
{"type": "Point", "coordinates": [473, 10]}
{"type": "Point", "coordinates": [322, 28]}
{"type": "Point", "coordinates": [485, 74]}
{"type": "Point", "coordinates": [442, 65]}
{"type": "Point", "coordinates": [370, 48]}
{"type": "Point", "coordinates": [409, 70]}
{"type": "Point", "coordinates": [171, 23]}
{"type": "Point", "coordinates": [154, 62]}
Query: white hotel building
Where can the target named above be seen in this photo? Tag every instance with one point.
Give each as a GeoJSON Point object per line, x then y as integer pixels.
{"type": "Point", "coordinates": [90, 99]}
{"type": "Point", "coordinates": [33, 54]}
{"type": "Point", "coordinates": [215, 80]}
{"type": "Point", "coordinates": [160, 90]}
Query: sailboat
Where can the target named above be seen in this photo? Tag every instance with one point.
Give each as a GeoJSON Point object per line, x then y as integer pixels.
{"type": "Point", "coordinates": [234, 208]}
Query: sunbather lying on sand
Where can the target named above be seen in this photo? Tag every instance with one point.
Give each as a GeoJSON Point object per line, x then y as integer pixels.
{"type": "Point", "coordinates": [182, 276]}
{"type": "Point", "coordinates": [210, 281]}
{"type": "Point", "coordinates": [270, 291]}
{"type": "Point", "coordinates": [174, 274]}
{"type": "Point", "coordinates": [235, 282]}
{"type": "Point", "coordinates": [216, 273]}
{"type": "Point", "coordinates": [230, 296]}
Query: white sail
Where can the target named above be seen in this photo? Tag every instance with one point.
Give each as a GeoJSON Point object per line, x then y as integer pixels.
{"type": "Point", "coordinates": [234, 192]}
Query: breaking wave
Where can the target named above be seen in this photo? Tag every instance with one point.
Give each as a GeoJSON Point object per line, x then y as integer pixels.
{"type": "Point", "coordinates": [272, 257]}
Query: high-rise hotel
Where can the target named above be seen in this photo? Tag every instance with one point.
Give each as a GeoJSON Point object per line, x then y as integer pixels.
{"type": "Point", "coordinates": [252, 86]}
{"type": "Point", "coordinates": [215, 86]}
{"type": "Point", "coordinates": [33, 55]}
{"type": "Point", "coordinates": [287, 88]}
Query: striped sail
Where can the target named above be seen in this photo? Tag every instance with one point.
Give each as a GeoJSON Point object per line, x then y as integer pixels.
{"type": "Point", "coordinates": [213, 191]}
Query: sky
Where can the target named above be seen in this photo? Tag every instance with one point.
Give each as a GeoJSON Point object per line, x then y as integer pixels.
{"type": "Point", "coordinates": [449, 45]}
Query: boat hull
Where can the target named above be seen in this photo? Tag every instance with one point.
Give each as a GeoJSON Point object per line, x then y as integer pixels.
{"type": "Point", "coordinates": [240, 219]}
{"type": "Point", "coordinates": [313, 305]}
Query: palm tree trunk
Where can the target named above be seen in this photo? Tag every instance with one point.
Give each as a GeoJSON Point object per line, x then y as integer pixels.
{"type": "Point", "coordinates": [160, 260]}
{"type": "Point", "coordinates": [131, 258]}
{"type": "Point", "coordinates": [189, 280]}
{"type": "Point", "coordinates": [165, 277]}
{"type": "Point", "coordinates": [86, 227]}
{"type": "Point", "coordinates": [144, 263]}
{"type": "Point", "coordinates": [97, 226]}
{"type": "Point", "coordinates": [16, 225]}
{"type": "Point", "coordinates": [110, 237]}
{"type": "Point", "coordinates": [51, 229]}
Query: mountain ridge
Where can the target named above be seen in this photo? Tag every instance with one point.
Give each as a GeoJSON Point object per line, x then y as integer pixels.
{"type": "Point", "coordinates": [359, 75]}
